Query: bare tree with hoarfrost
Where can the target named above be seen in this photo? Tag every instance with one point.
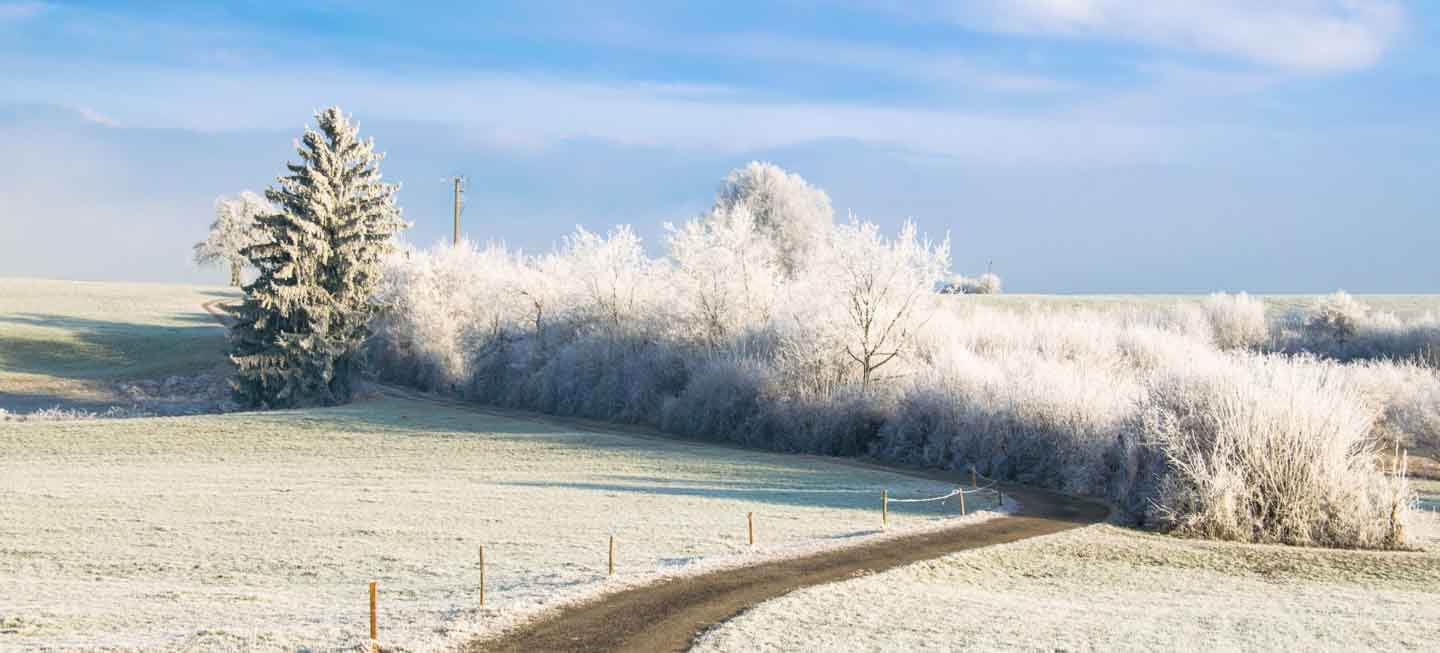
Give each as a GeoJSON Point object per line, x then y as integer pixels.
{"type": "Point", "coordinates": [236, 227]}
{"type": "Point", "coordinates": [541, 286]}
{"type": "Point", "coordinates": [728, 273]}
{"type": "Point", "coordinates": [794, 215]}
{"type": "Point", "coordinates": [610, 272]}
{"type": "Point", "coordinates": [882, 285]}
{"type": "Point", "coordinates": [298, 336]}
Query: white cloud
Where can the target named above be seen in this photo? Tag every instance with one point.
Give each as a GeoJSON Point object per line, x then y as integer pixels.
{"type": "Point", "coordinates": [939, 66]}
{"type": "Point", "coordinates": [91, 115]}
{"type": "Point", "coordinates": [1301, 35]}
{"type": "Point", "coordinates": [946, 67]}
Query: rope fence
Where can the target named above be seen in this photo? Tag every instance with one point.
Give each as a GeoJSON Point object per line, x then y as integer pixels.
{"type": "Point", "coordinates": [956, 492]}
{"type": "Point", "coordinates": [374, 645]}
{"type": "Point", "coordinates": [959, 492]}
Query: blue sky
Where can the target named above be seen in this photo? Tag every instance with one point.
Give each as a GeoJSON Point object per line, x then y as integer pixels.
{"type": "Point", "coordinates": [1083, 145]}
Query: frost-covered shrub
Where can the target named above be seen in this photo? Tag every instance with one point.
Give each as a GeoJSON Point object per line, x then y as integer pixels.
{"type": "Point", "coordinates": [1236, 321]}
{"type": "Point", "coordinates": [626, 379]}
{"type": "Point", "coordinates": [1408, 395]}
{"type": "Point", "coordinates": [959, 284]}
{"type": "Point", "coordinates": [1340, 327]}
{"type": "Point", "coordinates": [1335, 318]}
{"type": "Point", "coordinates": [443, 306]}
{"type": "Point", "coordinates": [724, 398]}
{"type": "Point", "coordinates": [59, 414]}
{"type": "Point", "coordinates": [1265, 450]}
{"type": "Point", "coordinates": [988, 284]}
{"type": "Point", "coordinates": [1022, 417]}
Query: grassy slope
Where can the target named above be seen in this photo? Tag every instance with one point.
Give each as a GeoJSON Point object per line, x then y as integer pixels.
{"type": "Point", "coordinates": [1106, 588]}
{"type": "Point", "coordinates": [66, 342]}
{"type": "Point", "coordinates": [262, 529]}
{"type": "Point", "coordinates": [85, 330]}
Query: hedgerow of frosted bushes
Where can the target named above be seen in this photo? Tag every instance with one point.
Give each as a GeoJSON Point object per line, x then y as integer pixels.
{"type": "Point", "coordinates": [829, 338]}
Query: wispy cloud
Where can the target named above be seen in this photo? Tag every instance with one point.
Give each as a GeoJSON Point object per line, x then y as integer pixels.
{"type": "Point", "coordinates": [18, 11]}
{"type": "Point", "coordinates": [93, 116]}
{"type": "Point", "coordinates": [1300, 35]}
{"type": "Point", "coordinates": [535, 111]}
{"type": "Point", "coordinates": [946, 67]}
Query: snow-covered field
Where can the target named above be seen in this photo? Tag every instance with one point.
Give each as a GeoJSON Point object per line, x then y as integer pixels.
{"type": "Point", "coordinates": [261, 530]}
{"type": "Point", "coordinates": [1107, 589]}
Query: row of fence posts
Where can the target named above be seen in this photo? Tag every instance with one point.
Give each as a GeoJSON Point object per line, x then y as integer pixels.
{"type": "Point", "coordinates": [750, 527]}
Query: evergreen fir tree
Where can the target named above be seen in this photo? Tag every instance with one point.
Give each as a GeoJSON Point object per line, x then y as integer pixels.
{"type": "Point", "coordinates": [298, 337]}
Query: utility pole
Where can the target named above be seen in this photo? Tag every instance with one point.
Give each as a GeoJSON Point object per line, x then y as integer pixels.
{"type": "Point", "coordinates": [459, 188]}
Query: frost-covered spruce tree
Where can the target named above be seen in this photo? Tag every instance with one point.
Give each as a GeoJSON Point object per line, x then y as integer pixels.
{"type": "Point", "coordinates": [235, 228]}
{"type": "Point", "coordinates": [299, 332]}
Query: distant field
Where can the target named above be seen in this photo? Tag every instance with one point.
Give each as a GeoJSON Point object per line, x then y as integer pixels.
{"type": "Point", "coordinates": [65, 342]}
{"type": "Point", "coordinates": [1111, 589]}
{"type": "Point", "coordinates": [262, 529]}
{"type": "Point", "coordinates": [1401, 305]}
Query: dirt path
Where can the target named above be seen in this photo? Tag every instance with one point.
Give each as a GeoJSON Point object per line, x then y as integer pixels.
{"type": "Point", "coordinates": [668, 615]}
{"type": "Point", "coordinates": [216, 309]}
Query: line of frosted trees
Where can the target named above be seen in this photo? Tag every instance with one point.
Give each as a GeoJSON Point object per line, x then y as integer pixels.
{"type": "Point", "coordinates": [768, 323]}
{"type": "Point", "coordinates": [767, 270]}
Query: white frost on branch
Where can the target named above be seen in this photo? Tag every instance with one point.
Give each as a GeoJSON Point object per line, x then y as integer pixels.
{"type": "Point", "coordinates": [298, 334]}
{"type": "Point", "coordinates": [728, 275]}
{"type": "Point", "coordinates": [794, 215]}
{"type": "Point", "coordinates": [875, 291]}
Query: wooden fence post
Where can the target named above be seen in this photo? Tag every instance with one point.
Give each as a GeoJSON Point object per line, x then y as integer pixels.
{"type": "Point", "coordinates": [962, 502]}
{"type": "Point", "coordinates": [482, 575]}
{"type": "Point", "coordinates": [884, 508]}
{"type": "Point", "coordinates": [750, 519]}
{"type": "Point", "coordinates": [612, 555]}
{"type": "Point", "coordinates": [973, 481]}
{"type": "Point", "coordinates": [374, 629]}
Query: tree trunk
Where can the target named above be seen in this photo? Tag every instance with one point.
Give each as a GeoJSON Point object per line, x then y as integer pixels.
{"type": "Point", "coordinates": [235, 275]}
